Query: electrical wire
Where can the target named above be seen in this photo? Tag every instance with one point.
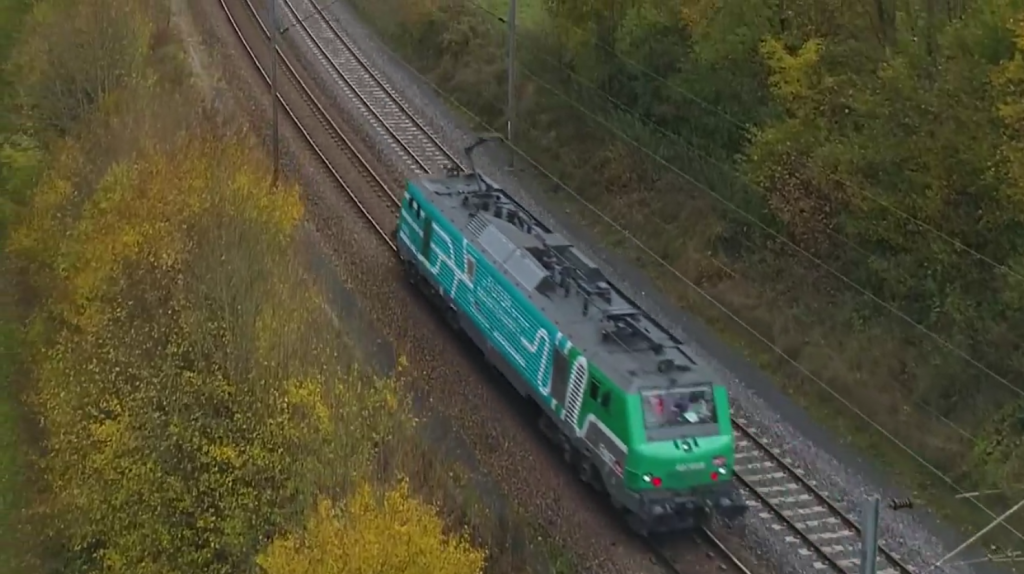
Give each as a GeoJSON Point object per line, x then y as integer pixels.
{"type": "Point", "coordinates": [704, 294]}
{"type": "Point", "coordinates": [745, 129]}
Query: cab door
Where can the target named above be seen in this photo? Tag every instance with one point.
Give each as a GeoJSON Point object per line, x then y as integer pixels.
{"type": "Point", "coordinates": [428, 235]}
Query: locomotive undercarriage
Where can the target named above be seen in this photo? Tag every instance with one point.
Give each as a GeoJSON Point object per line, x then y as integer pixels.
{"type": "Point", "coordinates": [668, 511]}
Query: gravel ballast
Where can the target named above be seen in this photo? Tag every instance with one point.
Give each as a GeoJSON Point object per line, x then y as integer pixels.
{"type": "Point", "coordinates": [843, 475]}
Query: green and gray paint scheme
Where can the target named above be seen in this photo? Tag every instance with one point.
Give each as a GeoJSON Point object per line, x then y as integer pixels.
{"type": "Point", "coordinates": [563, 335]}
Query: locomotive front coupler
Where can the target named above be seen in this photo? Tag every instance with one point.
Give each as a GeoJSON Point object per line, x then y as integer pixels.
{"type": "Point", "coordinates": [729, 505]}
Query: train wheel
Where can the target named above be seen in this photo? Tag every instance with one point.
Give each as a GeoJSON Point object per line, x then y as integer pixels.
{"type": "Point", "coordinates": [586, 471]}
{"type": "Point", "coordinates": [568, 451]}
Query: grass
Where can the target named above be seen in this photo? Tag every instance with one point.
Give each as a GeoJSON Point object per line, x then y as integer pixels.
{"type": "Point", "coordinates": [11, 14]}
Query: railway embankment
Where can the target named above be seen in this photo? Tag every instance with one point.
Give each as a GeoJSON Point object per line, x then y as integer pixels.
{"type": "Point", "coordinates": [195, 402]}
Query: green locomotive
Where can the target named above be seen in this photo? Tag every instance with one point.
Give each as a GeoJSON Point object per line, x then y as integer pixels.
{"type": "Point", "coordinates": [629, 405]}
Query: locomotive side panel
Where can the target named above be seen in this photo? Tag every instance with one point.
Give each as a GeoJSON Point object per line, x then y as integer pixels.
{"type": "Point", "coordinates": [502, 322]}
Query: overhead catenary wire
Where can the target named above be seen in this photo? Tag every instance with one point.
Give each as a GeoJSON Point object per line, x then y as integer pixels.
{"type": "Point", "coordinates": [745, 129]}
{"type": "Point", "coordinates": [704, 294]}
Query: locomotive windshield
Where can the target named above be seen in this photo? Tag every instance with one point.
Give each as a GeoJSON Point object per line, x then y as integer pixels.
{"type": "Point", "coordinates": [688, 411]}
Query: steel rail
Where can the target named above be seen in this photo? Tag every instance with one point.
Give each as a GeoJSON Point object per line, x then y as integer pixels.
{"type": "Point", "coordinates": [380, 105]}
{"type": "Point", "coordinates": [323, 117]}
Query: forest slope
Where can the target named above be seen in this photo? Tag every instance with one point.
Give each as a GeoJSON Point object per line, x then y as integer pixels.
{"type": "Point", "coordinates": [843, 179]}
{"type": "Point", "coordinates": [194, 407]}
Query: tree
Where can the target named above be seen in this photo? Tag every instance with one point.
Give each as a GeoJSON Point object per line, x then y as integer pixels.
{"type": "Point", "coordinates": [20, 163]}
{"type": "Point", "coordinates": [189, 398]}
{"type": "Point", "coordinates": [394, 533]}
{"type": "Point", "coordinates": [73, 54]}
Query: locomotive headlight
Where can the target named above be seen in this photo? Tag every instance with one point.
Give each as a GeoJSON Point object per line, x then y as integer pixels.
{"type": "Point", "coordinates": [722, 471]}
{"type": "Point", "coordinates": [651, 479]}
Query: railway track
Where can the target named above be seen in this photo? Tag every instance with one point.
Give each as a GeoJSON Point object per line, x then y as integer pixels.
{"type": "Point", "coordinates": [378, 103]}
{"type": "Point", "coordinates": [314, 111]}
{"type": "Point", "coordinates": [820, 531]}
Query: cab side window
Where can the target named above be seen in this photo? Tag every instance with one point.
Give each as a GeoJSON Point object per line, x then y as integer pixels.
{"type": "Point", "coordinates": [415, 208]}
{"type": "Point", "coordinates": [604, 399]}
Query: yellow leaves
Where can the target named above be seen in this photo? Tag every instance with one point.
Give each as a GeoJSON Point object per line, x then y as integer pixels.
{"type": "Point", "coordinates": [168, 438]}
{"type": "Point", "coordinates": [36, 239]}
{"type": "Point", "coordinates": [75, 53]}
{"type": "Point", "coordinates": [307, 396]}
{"type": "Point", "coordinates": [189, 398]}
{"type": "Point", "coordinates": [793, 77]}
{"type": "Point", "coordinates": [147, 212]}
{"type": "Point", "coordinates": [396, 533]}
{"type": "Point", "coordinates": [137, 442]}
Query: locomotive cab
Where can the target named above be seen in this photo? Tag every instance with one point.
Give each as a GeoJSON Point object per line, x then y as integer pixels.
{"type": "Point", "coordinates": [682, 470]}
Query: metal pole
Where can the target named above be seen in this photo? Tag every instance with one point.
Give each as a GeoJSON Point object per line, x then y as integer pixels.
{"type": "Point", "coordinates": [511, 111]}
{"type": "Point", "coordinates": [275, 30]}
{"type": "Point", "coordinates": [869, 537]}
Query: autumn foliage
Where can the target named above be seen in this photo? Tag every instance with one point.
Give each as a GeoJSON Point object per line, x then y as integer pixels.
{"type": "Point", "coordinates": [194, 400]}
{"type": "Point", "coordinates": [393, 533]}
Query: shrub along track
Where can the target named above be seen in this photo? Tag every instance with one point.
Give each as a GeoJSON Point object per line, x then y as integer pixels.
{"type": "Point", "coordinates": [818, 529]}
